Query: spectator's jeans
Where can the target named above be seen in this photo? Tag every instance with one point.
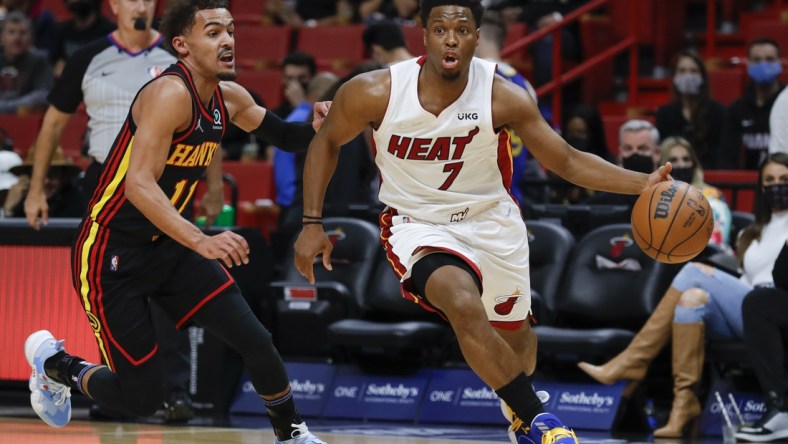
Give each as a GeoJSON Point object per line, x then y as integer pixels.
{"type": "Point", "coordinates": [722, 313]}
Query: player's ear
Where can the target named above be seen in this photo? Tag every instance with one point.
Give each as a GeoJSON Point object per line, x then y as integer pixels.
{"type": "Point", "coordinates": [179, 44]}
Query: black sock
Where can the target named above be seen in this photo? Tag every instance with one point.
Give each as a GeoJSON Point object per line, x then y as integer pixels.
{"type": "Point", "coordinates": [520, 397]}
{"type": "Point", "coordinates": [282, 412]}
{"type": "Point", "coordinates": [67, 369]}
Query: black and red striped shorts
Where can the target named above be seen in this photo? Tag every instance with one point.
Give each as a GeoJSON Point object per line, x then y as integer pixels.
{"type": "Point", "coordinates": [115, 274]}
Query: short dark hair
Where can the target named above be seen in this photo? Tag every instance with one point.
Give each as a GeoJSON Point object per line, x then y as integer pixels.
{"type": "Point", "coordinates": [179, 17]}
{"type": "Point", "coordinates": [300, 58]}
{"type": "Point", "coordinates": [474, 5]}
{"type": "Point", "coordinates": [384, 33]}
{"type": "Point", "coordinates": [494, 27]}
{"type": "Point", "coordinates": [763, 41]}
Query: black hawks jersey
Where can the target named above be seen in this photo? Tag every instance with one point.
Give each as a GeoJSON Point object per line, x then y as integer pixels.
{"type": "Point", "coordinates": [190, 153]}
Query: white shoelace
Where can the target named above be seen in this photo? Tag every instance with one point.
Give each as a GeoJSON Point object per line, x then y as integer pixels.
{"type": "Point", "coordinates": [60, 392]}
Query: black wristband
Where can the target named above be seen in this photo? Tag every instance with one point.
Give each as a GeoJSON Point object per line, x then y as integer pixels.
{"type": "Point", "coordinates": [287, 136]}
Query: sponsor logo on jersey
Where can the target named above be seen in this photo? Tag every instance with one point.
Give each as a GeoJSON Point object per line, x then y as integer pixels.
{"type": "Point", "coordinates": [439, 148]}
{"type": "Point", "coordinates": [183, 155]}
{"type": "Point", "coordinates": [505, 304]}
{"type": "Point", "coordinates": [467, 116]}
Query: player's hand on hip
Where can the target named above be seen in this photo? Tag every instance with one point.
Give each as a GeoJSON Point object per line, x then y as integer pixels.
{"type": "Point", "coordinates": [312, 241]}
{"type": "Point", "coordinates": [662, 174]}
{"type": "Point", "coordinates": [231, 248]}
{"type": "Point", "coordinates": [36, 206]}
{"type": "Point", "coordinates": [320, 113]}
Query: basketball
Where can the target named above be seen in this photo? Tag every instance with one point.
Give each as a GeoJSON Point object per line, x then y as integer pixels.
{"type": "Point", "coordinates": [672, 222]}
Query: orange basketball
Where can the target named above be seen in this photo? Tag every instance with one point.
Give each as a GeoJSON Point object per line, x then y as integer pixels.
{"type": "Point", "coordinates": [672, 222]}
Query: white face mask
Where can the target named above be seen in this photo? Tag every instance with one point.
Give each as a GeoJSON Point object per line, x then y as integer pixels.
{"type": "Point", "coordinates": [688, 83]}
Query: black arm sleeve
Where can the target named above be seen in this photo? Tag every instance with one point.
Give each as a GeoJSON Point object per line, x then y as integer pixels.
{"type": "Point", "coordinates": [67, 93]}
{"type": "Point", "coordinates": [287, 136]}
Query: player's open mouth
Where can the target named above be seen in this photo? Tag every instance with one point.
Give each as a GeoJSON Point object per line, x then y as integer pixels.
{"type": "Point", "coordinates": [449, 62]}
{"type": "Point", "coordinates": [227, 58]}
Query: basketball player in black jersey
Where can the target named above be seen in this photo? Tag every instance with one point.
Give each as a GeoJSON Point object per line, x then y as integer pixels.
{"type": "Point", "coordinates": [133, 244]}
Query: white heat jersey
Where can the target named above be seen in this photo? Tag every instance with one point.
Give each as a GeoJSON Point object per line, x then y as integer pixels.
{"type": "Point", "coordinates": [442, 168]}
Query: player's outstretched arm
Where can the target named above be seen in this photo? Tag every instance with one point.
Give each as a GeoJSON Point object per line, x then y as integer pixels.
{"type": "Point", "coordinates": [36, 201]}
{"type": "Point", "coordinates": [253, 118]}
{"type": "Point", "coordinates": [163, 108]}
{"type": "Point", "coordinates": [360, 102]}
{"type": "Point", "coordinates": [513, 107]}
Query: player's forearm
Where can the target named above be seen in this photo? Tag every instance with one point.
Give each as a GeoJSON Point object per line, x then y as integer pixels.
{"type": "Point", "coordinates": [590, 171]}
{"type": "Point", "coordinates": [46, 142]}
{"type": "Point", "coordinates": [213, 175]}
{"type": "Point", "coordinates": [146, 195]}
{"type": "Point", "coordinates": [319, 167]}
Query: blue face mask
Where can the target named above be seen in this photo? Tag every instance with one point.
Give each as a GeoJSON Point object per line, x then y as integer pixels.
{"type": "Point", "coordinates": [764, 72]}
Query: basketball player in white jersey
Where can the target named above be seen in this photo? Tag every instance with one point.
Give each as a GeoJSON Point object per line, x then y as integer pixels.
{"type": "Point", "coordinates": [452, 231]}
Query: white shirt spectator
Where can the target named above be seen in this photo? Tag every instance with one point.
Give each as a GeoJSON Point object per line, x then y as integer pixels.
{"type": "Point", "coordinates": [778, 124]}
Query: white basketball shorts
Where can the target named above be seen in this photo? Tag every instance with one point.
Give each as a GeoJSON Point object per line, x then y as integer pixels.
{"type": "Point", "coordinates": [494, 243]}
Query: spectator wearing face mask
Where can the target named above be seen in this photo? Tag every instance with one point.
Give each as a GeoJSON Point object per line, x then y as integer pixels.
{"type": "Point", "coordinates": [638, 150]}
{"type": "Point", "coordinates": [746, 141]}
{"type": "Point", "coordinates": [693, 114]}
{"type": "Point", "coordinates": [87, 24]}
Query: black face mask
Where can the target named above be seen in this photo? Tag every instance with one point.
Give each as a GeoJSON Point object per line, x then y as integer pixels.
{"type": "Point", "coordinates": [776, 196]}
{"type": "Point", "coordinates": [581, 143]}
{"type": "Point", "coordinates": [641, 164]}
{"type": "Point", "coordinates": [683, 174]}
{"type": "Point", "coordinates": [80, 9]}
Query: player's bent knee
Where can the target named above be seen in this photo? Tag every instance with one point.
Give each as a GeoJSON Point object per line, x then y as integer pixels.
{"type": "Point", "coordinates": [144, 401]}
{"type": "Point", "coordinates": [694, 297]}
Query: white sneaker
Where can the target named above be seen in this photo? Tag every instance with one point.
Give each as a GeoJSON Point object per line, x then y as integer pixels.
{"type": "Point", "coordinates": [301, 435]}
{"type": "Point", "coordinates": [769, 428]}
{"type": "Point", "coordinates": [50, 399]}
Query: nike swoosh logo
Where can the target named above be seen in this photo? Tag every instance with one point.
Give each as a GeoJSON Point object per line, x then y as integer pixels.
{"type": "Point", "coordinates": [106, 73]}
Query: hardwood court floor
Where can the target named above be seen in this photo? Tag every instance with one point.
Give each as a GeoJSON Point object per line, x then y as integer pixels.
{"type": "Point", "coordinates": [33, 431]}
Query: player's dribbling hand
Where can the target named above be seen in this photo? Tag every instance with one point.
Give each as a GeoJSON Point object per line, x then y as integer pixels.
{"type": "Point", "coordinates": [662, 174]}
{"type": "Point", "coordinates": [320, 113]}
{"type": "Point", "coordinates": [312, 241]}
{"type": "Point", "coordinates": [36, 206]}
{"type": "Point", "coordinates": [230, 247]}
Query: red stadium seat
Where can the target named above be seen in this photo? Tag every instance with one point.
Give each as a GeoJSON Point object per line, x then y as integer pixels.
{"type": "Point", "coordinates": [337, 48]}
{"type": "Point", "coordinates": [261, 47]}
{"type": "Point", "coordinates": [74, 135]}
{"type": "Point", "coordinates": [22, 129]}
{"type": "Point", "coordinates": [596, 36]}
{"type": "Point", "coordinates": [414, 39]}
{"type": "Point", "coordinates": [247, 10]}
{"type": "Point", "coordinates": [58, 9]}
{"type": "Point", "coordinates": [267, 84]}
{"type": "Point", "coordinates": [727, 84]}
{"type": "Point", "coordinates": [515, 32]}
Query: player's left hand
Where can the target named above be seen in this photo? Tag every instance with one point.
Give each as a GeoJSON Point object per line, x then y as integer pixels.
{"type": "Point", "coordinates": [320, 111]}
{"type": "Point", "coordinates": [211, 205]}
{"type": "Point", "coordinates": [662, 174]}
{"type": "Point", "coordinates": [312, 241]}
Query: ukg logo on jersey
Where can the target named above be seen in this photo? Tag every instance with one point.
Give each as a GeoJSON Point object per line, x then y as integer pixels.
{"type": "Point", "coordinates": [389, 393]}
{"type": "Point", "coordinates": [582, 401]}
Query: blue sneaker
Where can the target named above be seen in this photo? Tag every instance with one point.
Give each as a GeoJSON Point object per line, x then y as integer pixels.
{"type": "Point", "coordinates": [301, 435]}
{"type": "Point", "coordinates": [546, 428]}
{"type": "Point", "coordinates": [50, 399]}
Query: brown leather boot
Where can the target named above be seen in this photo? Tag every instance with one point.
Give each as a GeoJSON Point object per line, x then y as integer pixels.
{"type": "Point", "coordinates": [688, 354]}
{"type": "Point", "coordinates": [633, 362]}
